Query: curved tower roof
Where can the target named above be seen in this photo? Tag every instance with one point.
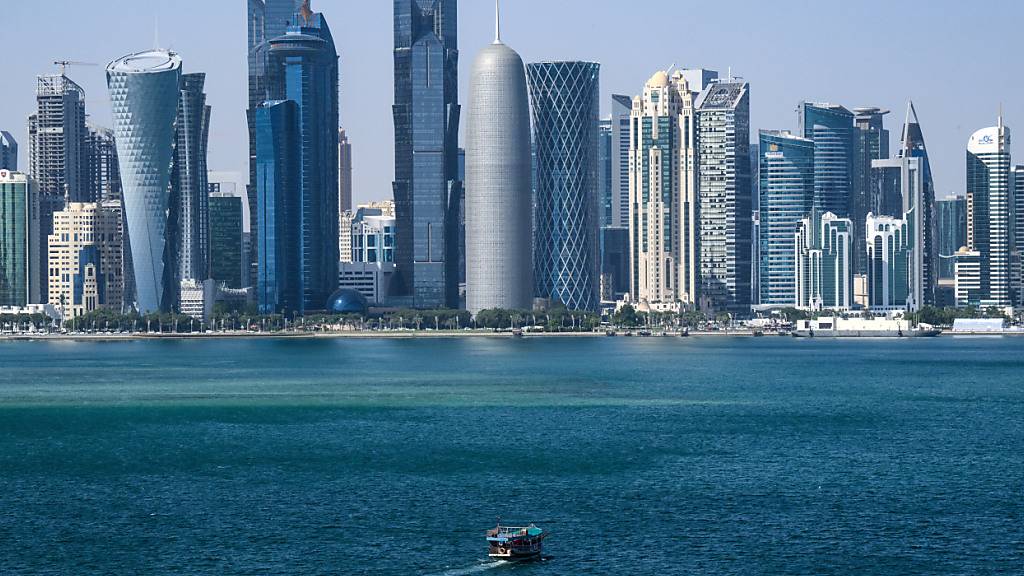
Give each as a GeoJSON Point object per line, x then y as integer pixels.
{"type": "Point", "coordinates": [499, 254]}
{"type": "Point", "coordinates": [144, 89]}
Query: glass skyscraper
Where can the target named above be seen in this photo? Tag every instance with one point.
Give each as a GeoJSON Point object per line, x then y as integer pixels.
{"type": "Point", "coordinates": [427, 189]}
{"type": "Point", "coordinates": [19, 240]}
{"type": "Point", "coordinates": [870, 142]}
{"type": "Point", "coordinates": [831, 128]}
{"type": "Point", "coordinates": [565, 100]}
{"type": "Point", "coordinates": [303, 69]}
{"type": "Point", "coordinates": [8, 152]}
{"type": "Point", "coordinates": [726, 227]}
{"type": "Point", "coordinates": [277, 207]}
{"type": "Point", "coordinates": [144, 90]}
{"type": "Point", "coordinates": [189, 202]}
{"type": "Point", "coordinates": [56, 137]}
{"type": "Point", "coordinates": [989, 197]}
{"type": "Point", "coordinates": [102, 172]}
{"type": "Point", "coordinates": [787, 197]}
{"type": "Point", "coordinates": [952, 228]}
{"type": "Point", "coordinates": [604, 171]}
{"type": "Point", "coordinates": [226, 238]}
{"type": "Point", "coordinates": [265, 20]}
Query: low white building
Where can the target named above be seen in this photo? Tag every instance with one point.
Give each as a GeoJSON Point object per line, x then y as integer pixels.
{"type": "Point", "coordinates": [197, 298]}
{"type": "Point", "coordinates": [371, 279]}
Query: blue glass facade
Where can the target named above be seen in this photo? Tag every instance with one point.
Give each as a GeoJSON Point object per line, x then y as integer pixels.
{"type": "Point", "coordinates": [565, 97]}
{"type": "Point", "coordinates": [304, 70]}
{"type": "Point", "coordinates": [277, 207]}
{"type": "Point", "coordinates": [952, 233]}
{"type": "Point", "coordinates": [831, 129]}
{"type": "Point", "coordinates": [787, 197]}
{"type": "Point", "coordinates": [427, 188]}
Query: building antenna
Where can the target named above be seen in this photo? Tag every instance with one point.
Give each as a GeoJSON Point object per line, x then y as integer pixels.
{"type": "Point", "coordinates": [497, 22]}
{"type": "Point", "coordinates": [1000, 116]}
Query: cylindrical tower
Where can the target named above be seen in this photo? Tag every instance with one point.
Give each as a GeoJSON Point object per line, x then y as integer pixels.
{"type": "Point", "coordinates": [499, 252]}
{"type": "Point", "coordinates": [144, 90]}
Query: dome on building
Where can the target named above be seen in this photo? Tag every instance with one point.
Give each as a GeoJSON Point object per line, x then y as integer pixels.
{"type": "Point", "coordinates": [659, 80]}
{"type": "Point", "coordinates": [347, 301]}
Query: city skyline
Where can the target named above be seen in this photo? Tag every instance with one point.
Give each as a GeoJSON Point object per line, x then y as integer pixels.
{"type": "Point", "coordinates": [780, 84]}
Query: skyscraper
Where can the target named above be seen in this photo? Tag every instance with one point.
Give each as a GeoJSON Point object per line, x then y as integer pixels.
{"type": "Point", "coordinates": [664, 226]}
{"type": "Point", "coordinates": [1017, 280]}
{"type": "Point", "coordinates": [277, 207]}
{"type": "Point", "coordinates": [303, 69]}
{"type": "Point", "coordinates": [951, 215]}
{"type": "Point", "coordinates": [787, 197]}
{"type": "Point", "coordinates": [426, 114]}
{"type": "Point", "coordinates": [499, 254]}
{"type": "Point", "coordinates": [726, 227]}
{"type": "Point", "coordinates": [344, 172]}
{"type": "Point", "coordinates": [889, 263]}
{"type": "Point", "coordinates": [190, 215]}
{"type": "Point", "coordinates": [830, 126]}
{"type": "Point", "coordinates": [144, 91]}
{"type": "Point", "coordinates": [622, 106]}
{"type": "Point", "coordinates": [604, 171]}
{"type": "Point", "coordinates": [226, 238]}
{"type": "Point", "coordinates": [102, 172]}
{"type": "Point", "coordinates": [20, 246]}
{"type": "Point", "coordinates": [989, 230]}
{"type": "Point", "coordinates": [911, 177]}
{"type": "Point", "coordinates": [85, 258]}
{"type": "Point", "coordinates": [8, 152]}
{"type": "Point", "coordinates": [566, 105]}
{"type": "Point", "coordinates": [870, 142]}
{"type": "Point", "coordinates": [56, 137]}
{"type": "Point", "coordinates": [824, 273]}
{"type": "Point", "coordinates": [266, 20]}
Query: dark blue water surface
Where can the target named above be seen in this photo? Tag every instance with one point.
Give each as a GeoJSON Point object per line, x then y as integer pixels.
{"type": "Point", "coordinates": [641, 456]}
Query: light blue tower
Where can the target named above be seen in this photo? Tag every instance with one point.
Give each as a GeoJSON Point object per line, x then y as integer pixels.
{"type": "Point", "coordinates": [565, 97]}
{"type": "Point", "coordinates": [144, 89]}
{"type": "Point", "coordinates": [831, 128]}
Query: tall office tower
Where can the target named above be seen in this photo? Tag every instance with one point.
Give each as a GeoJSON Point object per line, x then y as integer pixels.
{"type": "Point", "coordinates": [622, 107]}
{"type": "Point", "coordinates": [565, 99]}
{"type": "Point", "coordinates": [278, 233]}
{"type": "Point", "coordinates": [968, 282]}
{"type": "Point", "coordinates": [831, 128]}
{"type": "Point", "coordinates": [266, 20]}
{"type": "Point", "coordinates": [102, 172]}
{"type": "Point", "coordinates": [604, 171]}
{"type": "Point", "coordinates": [787, 197]}
{"type": "Point", "coordinates": [190, 208]}
{"type": "Point", "coordinates": [910, 173]}
{"type": "Point", "coordinates": [144, 91]}
{"type": "Point", "coordinates": [20, 246]}
{"type": "Point", "coordinates": [870, 142]}
{"type": "Point", "coordinates": [344, 172]}
{"type": "Point", "coordinates": [952, 228]}
{"type": "Point", "coordinates": [726, 228]}
{"type": "Point", "coordinates": [85, 258]}
{"type": "Point", "coordinates": [889, 263]}
{"type": "Point", "coordinates": [499, 251]}
{"type": "Point", "coordinates": [226, 229]}
{"type": "Point", "coordinates": [1017, 279]}
{"type": "Point", "coordinates": [8, 152]}
{"type": "Point", "coordinates": [664, 213]}
{"type": "Point", "coordinates": [989, 208]}
{"type": "Point", "coordinates": [303, 69]}
{"type": "Point", "coordinates": [56, 136]}
{"type": "Point", "coordinates": [824, 273]}
{"type": "Point", "coordinates": [426, 113]}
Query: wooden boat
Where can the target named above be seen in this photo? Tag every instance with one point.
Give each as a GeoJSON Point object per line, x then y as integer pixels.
{"type": "Point", "coordinates": [515, 542]}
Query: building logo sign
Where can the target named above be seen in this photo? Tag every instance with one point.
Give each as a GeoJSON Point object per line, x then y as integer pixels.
{"type": "Point", "coordinates": [986, 139]}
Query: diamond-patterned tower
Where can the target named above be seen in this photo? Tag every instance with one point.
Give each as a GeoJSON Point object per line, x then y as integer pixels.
{"type": "Point", "coordinates": [144, 91]}
{"type": "Point", "coordinates": [565, 105]}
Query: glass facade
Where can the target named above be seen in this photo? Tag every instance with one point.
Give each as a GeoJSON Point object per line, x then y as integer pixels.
{"type": "Point", "coordinates": [56, 137]}
{"type": "Point", "coordinates": [831, 128]}
{"type": "Point", "coordinates": [19, 246]}
{"type": "Point", "coordinates": [870, 142]}
{"type": "Point", "coordinates": [726, 227]}
{"type": "Point", "coordinates": [952, 228]}
{"type": "Point", "coordinates": [144, 90]}
{"type": "Point", "coordinates": [102, 172]}
{"type": "Point", "coordinates": [427, 189]}
{"type": "Point", "coordinates": [824, 278]}
{"type": "Point", "coordinates": [304, 69]}
{"type": "Point", "coordinates": [189, 187]}
{"type": "Point", "coordinates": [277, 207]}
{"type": "Point", "coordinates": [787, 197]}
{"type": "Point", "coordinates": [226, 240]}
{"type": "Point", "coordinates": [566, 105]}
{"type": "Point", "coordinates": [604, 160]}
{"type": "Point", "coordinates": [989, 229]}
{"type": "Point", "coordinates": [8, 152]}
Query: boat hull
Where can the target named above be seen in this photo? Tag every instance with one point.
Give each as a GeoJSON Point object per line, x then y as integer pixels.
{"type": "Point", "coordinates": [865, 334]}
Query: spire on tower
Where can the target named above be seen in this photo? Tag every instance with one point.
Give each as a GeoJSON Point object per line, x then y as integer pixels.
{"type": "Point", "coordinates": [497, 22]}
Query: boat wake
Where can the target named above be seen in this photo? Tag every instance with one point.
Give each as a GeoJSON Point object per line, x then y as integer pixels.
{"type": "Point", "coordinates": [483, 566]}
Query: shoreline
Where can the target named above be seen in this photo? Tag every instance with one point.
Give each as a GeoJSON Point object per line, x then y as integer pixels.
{"type": "Point", "coordinates": [428, 334]}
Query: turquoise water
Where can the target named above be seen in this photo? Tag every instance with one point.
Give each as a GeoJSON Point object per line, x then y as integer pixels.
{"type": "Point", "coordinates": [388, 457]}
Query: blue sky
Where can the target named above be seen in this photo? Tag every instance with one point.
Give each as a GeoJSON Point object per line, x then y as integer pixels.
{"type": "Point", "coordinates": [957, 60]}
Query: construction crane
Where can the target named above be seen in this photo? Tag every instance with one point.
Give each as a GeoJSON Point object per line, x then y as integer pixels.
{"type": "Point", "coordinates": [65, 63]}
